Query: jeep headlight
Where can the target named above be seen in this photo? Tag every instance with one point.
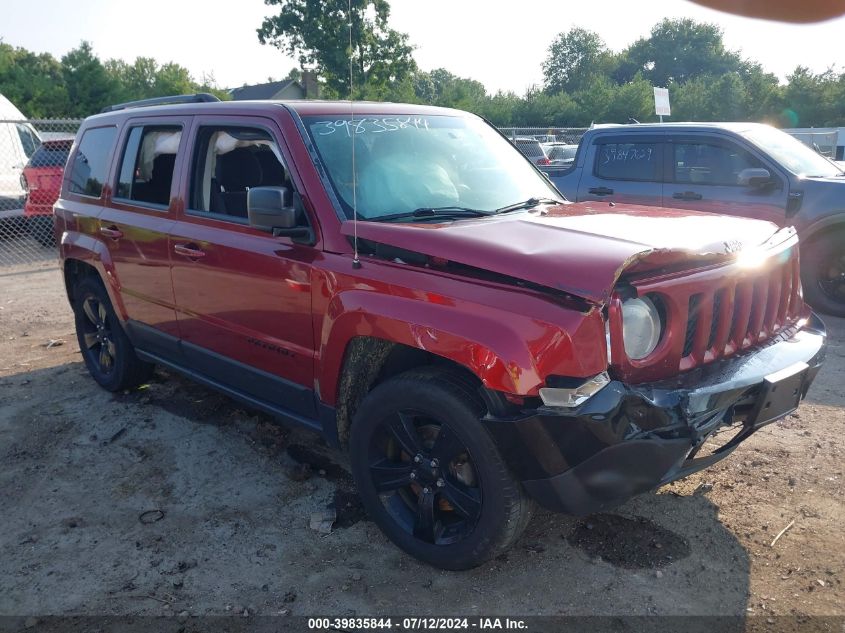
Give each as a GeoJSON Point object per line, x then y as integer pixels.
{"type": "Point", "coordinates": [641, 327]}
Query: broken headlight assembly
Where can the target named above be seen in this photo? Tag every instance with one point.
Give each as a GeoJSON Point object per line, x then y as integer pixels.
{"type": "Point", "coordinates": [571, 392]}
{"type": "Point", "coordinates": [641, 327]}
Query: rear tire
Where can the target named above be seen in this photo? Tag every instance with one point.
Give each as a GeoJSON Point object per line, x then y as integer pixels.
{"type": "Point", "coordinates": [107, 351]}
{"type": "Point", "coordinates": [429, 474]}
{"type": "Point", "coordinates": [823, 272]}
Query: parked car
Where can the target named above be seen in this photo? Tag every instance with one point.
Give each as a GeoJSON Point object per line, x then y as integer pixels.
{"type": "Point", "coordinates": [472, 341]}
{"type": "Point", "coordinates": [18, 141]}
{"type": "Point", "coordinates": [42, 181]}
{"type": "Point", "coordinates": [560, 154]}
{"type": "Point", "coordinates": [532, 149]}
{"type": "Point", "coordinates": [742, 169]}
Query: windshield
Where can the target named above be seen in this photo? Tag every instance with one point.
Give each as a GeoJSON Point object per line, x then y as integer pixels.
{"type": "Point", "coordinates": [407, 163]}
{"type": "Point", "coordinates": [790, 152]}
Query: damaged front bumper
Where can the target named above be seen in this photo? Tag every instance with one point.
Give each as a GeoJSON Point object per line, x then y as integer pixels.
{"type": "Point", "coordinates": [628, 439]}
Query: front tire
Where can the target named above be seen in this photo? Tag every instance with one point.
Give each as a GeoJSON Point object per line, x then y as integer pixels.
{"type": "Point", "coordinates": [429, 474]}
{"type": "Point", "coordinates": [823, 273]}
{"type": "Point", "coordinates": [107, 351]}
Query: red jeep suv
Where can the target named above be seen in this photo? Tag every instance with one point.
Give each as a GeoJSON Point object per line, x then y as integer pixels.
{"type": "Point", "coordinates": [402, 280]}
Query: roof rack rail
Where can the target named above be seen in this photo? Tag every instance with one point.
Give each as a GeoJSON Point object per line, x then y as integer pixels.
{"type": "Point", "coordinates": [200, 97]}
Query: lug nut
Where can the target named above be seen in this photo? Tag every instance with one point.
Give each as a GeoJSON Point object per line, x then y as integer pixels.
{"type": "Point", "coordinates": [413, 475]}
{"type": "Point", "coordinates": [440, 483]}
{"type": "Point", "coordinates": [426, 490]}
{"type": "Point", "coordinates": [417, 459]}
{"type": "Point", "coordinates": [434, 463]}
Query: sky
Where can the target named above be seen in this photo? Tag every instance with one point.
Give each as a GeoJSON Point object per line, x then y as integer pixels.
{"type": "Point", "coordinates": [501, 44]}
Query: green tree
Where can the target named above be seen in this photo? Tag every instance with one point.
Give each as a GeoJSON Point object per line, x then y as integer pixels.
{"type": "Point", "coordinates": [574, 60]}
{"type": "Point", "coordinates": [34, 83]}
{"type": "Point", "coordinates": [499, 109]}
{"type": "Point", "coordinates": [677, 51]}
{"type": "Point", "coordinates": [815, 99]}
{"type": "Point", "coordinates": [442, 88]}
{"type": "Point", "coordinates": [317, 33]}
{"type": "Point", "coordinates": [89, 85]}
{"type": "Point", "coordinates": [632, 100]}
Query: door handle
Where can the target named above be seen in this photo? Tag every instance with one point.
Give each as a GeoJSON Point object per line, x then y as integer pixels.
{"type": "Point", "coordinates": [600, 191]}
{"type": "Point", "coordinates": [188, 250]}
{"type": "Point", "coordinates": [687, 195]}
{"type": "Point", "coordinates": [111, 232]}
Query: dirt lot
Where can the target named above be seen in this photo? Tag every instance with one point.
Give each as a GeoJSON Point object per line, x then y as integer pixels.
{"type": "Point", "coordinates": [174, 499]}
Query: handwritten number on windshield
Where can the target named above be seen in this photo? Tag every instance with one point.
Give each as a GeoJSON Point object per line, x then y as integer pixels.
{"type": "Point", "coordinates": [371, 125]}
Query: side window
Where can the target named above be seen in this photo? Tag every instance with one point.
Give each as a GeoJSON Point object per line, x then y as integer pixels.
{"type": "Point", "coordinates": [228, 162]}
{"type": "Point", "coordinates": [705, 164]}
{"type": "Point", "coordinates": [29, 140]}
{"type": "Point", "coordinates": [91, 162]}
{"type": "Point", "coordinates": [627, 161]}
{"type": "Point", "coordinates": [146, 169]}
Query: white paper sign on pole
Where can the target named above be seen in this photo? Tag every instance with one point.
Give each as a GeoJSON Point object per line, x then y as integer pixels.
{"type": "Point", "coordinates": [661, 102]}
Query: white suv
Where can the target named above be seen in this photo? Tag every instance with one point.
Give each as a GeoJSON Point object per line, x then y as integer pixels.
{"type": "Point", "coordinates": [18, 141]}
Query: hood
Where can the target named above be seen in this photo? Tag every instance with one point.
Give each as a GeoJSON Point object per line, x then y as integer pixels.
{"type": "Point", "coordinates": [580, 249]}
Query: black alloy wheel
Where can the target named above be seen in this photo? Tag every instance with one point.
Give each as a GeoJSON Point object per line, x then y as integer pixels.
{"type": "Point", "coordinates": [106, 350]}
{"type": "Point", "coordinates": [97, 335]}
{"type": "Point", "coordinates": [429, 473]}
{"type": "Point", "coordinates": [425, 477]}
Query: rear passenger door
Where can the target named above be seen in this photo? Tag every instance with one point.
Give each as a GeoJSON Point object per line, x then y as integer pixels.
{"type": "Point", "coordinates": [243, 296]}
{"type": "Point", "coordinates": [135, 223]}
{"type": "Point", "coordinates": [703, 174]}
{"type": "Point", "coordinates": [627, 169]}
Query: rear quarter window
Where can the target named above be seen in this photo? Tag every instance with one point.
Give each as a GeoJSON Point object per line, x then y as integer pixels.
{"type": "Point", "coordinates": [627, 161]}
{"type": "Point", "coordinates": [91, 162]}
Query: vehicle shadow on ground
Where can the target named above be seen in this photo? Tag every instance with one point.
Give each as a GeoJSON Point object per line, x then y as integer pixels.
{"type": "Point", "coordinates": [174, 497]}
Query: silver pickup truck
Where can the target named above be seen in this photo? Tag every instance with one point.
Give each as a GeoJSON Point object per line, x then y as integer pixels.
{"type": "Point", "coordinates": [743, 169]}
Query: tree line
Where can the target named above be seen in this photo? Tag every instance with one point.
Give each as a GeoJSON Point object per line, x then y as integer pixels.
{"type": "Point", "coordinates": [584, 81]}
{"type": "Point", "coordinates": [80, 84]}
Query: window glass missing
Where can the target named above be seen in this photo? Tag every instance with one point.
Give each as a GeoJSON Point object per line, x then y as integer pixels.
{"type": "Point", "coordinates": [228, 162]}
{"type": "Point", "coordinates": [146, 171]}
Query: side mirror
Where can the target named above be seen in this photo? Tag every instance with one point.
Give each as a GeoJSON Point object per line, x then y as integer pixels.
{"type": "Point", "coordinates": [269, 209]}
{"type": "Point", "coordinates": [754, 177]}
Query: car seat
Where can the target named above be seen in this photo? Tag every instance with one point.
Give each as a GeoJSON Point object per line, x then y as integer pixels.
{"type": "Point", "coordinates": [237, 172]}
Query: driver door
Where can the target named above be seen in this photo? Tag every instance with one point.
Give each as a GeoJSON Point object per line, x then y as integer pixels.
{"type": "Point", "coordinates": [243, 297]}
{"type": "Point", "coordinates": [703, 174]}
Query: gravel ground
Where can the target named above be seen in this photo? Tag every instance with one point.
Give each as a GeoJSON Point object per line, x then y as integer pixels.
{"type": "Point", "coordinates": [174, 499]}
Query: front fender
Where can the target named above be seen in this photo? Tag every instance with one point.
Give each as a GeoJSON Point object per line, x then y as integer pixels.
{"type": "Point", "coordinates": [816, 228]}
{"type": "Point", "coordinates": [506, 351]}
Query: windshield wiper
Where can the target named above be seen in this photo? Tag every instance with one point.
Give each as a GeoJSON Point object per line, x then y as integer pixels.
{"type": "Point", "coordinates": [435, 213]}
{"type": "Point", "coordinates": [527, 204]}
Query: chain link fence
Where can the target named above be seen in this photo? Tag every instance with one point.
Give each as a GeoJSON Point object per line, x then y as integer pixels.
{"type": "Point", "coordinates": [826, 142]}
{"type": "Point", "coordinates": [32, 159]}
{"type": "Point", "coordinates": [550, 148]}
{"type": "Point", "coordinates": [565, 135]}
